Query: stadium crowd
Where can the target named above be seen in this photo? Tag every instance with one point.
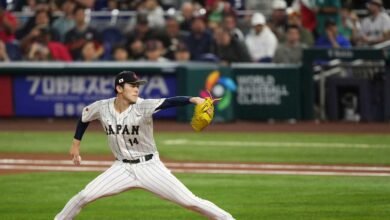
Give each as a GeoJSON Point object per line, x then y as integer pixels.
{"type": "Point", "coordinates": [209, 30]}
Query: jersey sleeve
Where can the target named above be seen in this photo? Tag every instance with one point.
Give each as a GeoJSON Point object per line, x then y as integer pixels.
{"type": "Point", "coordinates": [149, 106]}
{"type": "Point", "coordinates": [91, 112]}
{"type": "Point", "coordinates": [174, 102]}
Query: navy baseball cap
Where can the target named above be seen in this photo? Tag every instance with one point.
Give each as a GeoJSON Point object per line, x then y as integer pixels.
{"type": "Point", "coordinates": [128, 77]}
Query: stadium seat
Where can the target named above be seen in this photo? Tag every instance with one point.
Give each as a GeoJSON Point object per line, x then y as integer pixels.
{"type": "Point", "coordinates": [111, 36]}
{"type": "Point", "coordinates": [14, 52]}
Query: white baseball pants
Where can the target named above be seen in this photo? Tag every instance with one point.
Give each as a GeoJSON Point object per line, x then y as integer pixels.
{"type": "Point", "coordinates": [151, 175]}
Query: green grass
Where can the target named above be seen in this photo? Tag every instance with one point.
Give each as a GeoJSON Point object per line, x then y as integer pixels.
{"type": "Point", "coordinates": [362, 149]}
{"type": "Point", "coordinates": [42, 195]}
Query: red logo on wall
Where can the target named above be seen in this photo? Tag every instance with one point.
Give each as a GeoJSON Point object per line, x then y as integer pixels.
{"type": "Point", "coordinates": [6, 106]}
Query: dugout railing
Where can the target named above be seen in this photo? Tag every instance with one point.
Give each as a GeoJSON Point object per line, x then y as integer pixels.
{"type": "Point", "coordinates": [347, 84]}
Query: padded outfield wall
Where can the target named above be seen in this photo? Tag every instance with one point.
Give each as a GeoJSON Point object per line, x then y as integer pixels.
{"type": "Point", "coordinates": [248, 91]}
{"type": "Point", "coordinates": [63, 89]}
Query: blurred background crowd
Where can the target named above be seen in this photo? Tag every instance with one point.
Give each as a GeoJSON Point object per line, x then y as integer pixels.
{"type": "Point", "coordinates": [220, 31]}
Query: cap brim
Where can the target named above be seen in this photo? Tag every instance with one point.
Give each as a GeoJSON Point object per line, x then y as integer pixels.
{"type": "Point", "coordinates": [140, 82]}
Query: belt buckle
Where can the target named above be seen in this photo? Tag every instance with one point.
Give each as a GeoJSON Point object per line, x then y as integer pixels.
{"type": "Point", "coordinates": [149, 157]}
{"type": "Point", "coordinates": [139, 160]}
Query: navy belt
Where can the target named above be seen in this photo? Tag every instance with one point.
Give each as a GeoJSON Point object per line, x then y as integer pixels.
{"type": "Point", "coordinates": [144, 158]}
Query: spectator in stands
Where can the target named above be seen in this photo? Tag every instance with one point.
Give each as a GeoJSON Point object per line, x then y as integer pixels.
{"type": "Point", "coordinates": [90, 52]}
{"type": "Point", "coordinates": [350, 25]}
{"type": "Point", "coordinates": [58, 51]}
{"type": "Point", "coordinates": [172, 31]}
{"type": "Point", "coordinates": [66, 22]}
{"type": "Point", "coordinates": [81, 34]}
{"type": "Point", "coordinates": [3, 52]}
{"type": "Point", "coordinates": [142, 31]}
{"type": "Point", "coordinates": [307, 10]}
{"type": "Point", "coordinates": [291, 50]}
{"type": "Point", "coordinates": [32, 5]}
{"type": "Point", "coordinates": [119, 53]}
{"type": "Point", "coordinates": [86, 3]}
{"type": "Point", "coordinates": [131, 5]}
{"type": "Point", "coordinates": [155, 14]}
{"type": "Point", "coordinates": [54, 7]}
{"type": "Point", "coordinates": [41, 19]}
{"type": "Point", "coordinates": [30, 34]}
{"type": "Point", "coordinates": [182, 54]}
{"type": "Point", "coordinates": [112, 5]}
{"type": "Point", "coordinates": [187, 14]}
{"type": "Point", "coordinates": [136, 50]}
{"type": "Point", "coordinates": [376, 27]}
{"type": "Point", "coordinates": [216, 9]}
{"type": "Point", "coordinates": [8, 25]}
{"type": "Point", "coordinates": [228, 49]}
{"type": "Point", "coordinates": [306, 36]}
{"type": "Point", "coordinates": [261, 41]}
{"type": "Point", "coordinates": [327, 10]}
{"type": "Point", "coordinates": [38, 52]}
{"type": "Point", "coordinates": [199, 41]}
{"type": "Point", "coordinates": [332, 38]}
{"type": "Point", "coordinates": [279, 21]}
{"type": "Point", "coordinates": [43, 47]}
{"type": "Point", "coordinates": [154, 51]}
{"type": "Point", "coordinates": [230, 24]}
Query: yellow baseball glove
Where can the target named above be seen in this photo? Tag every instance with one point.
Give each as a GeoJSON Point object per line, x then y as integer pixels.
{"type": "Point", "coordinates": [203, 114]}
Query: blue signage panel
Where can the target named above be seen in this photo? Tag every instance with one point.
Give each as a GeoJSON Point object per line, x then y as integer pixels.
{"type": "Point", "coordinates": [66, 96]}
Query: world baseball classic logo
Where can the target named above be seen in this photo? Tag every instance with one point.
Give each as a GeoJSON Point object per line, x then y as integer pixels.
{"type": "Point", "coordinates": [219, 87]}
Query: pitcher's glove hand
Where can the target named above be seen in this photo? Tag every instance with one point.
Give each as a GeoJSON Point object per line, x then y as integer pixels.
{"type": "Point", "coordinates": [203, 114]}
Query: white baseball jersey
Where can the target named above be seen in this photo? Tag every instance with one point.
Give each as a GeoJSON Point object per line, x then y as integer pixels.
{"type": "Point", "coordinates": [130, 136]}
{"type": "Point", "coordinates": [130, 133]}
{"type": "Point", "coordinates": [375, 28]}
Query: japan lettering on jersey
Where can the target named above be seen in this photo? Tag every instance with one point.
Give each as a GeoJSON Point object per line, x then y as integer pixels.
{"type": "Point", "coordinates": [130, 133]}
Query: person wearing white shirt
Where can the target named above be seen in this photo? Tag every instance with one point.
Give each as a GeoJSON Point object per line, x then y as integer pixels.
{"type": "Point", "coordinates": [261, 41]}
{"type": "Point", "coordinates": [376, 27]}
{"type": "Point", "coordinates": [155, 14]}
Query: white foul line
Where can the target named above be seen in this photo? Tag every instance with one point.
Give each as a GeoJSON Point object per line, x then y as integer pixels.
{"type": "Point", "coordinates": [59, 162]}
{"type": "Point", "coordinates": [224, 168]}
{"type": "Point", "coordinates": [279, 166]}
{"type": "Point", "coordinates": [270, 144]}
{"type": "Point", "coordinates": [50, 168]}
{"type": "Point", "coordinates": [208, 165]}
{"type": "Point", "coordinates": [209, 171]}
{"type": "Point", "coordinates": [276, 172]}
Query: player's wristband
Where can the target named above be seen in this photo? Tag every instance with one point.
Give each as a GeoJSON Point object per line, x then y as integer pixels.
{"type": "Point", "coordinates": [80, 129]}
{"type": "Point", "coordinates": [174, 102]}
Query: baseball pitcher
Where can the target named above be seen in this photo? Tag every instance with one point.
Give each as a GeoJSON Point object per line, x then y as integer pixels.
{"type": "Point", "coordinates": [127, 121]}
